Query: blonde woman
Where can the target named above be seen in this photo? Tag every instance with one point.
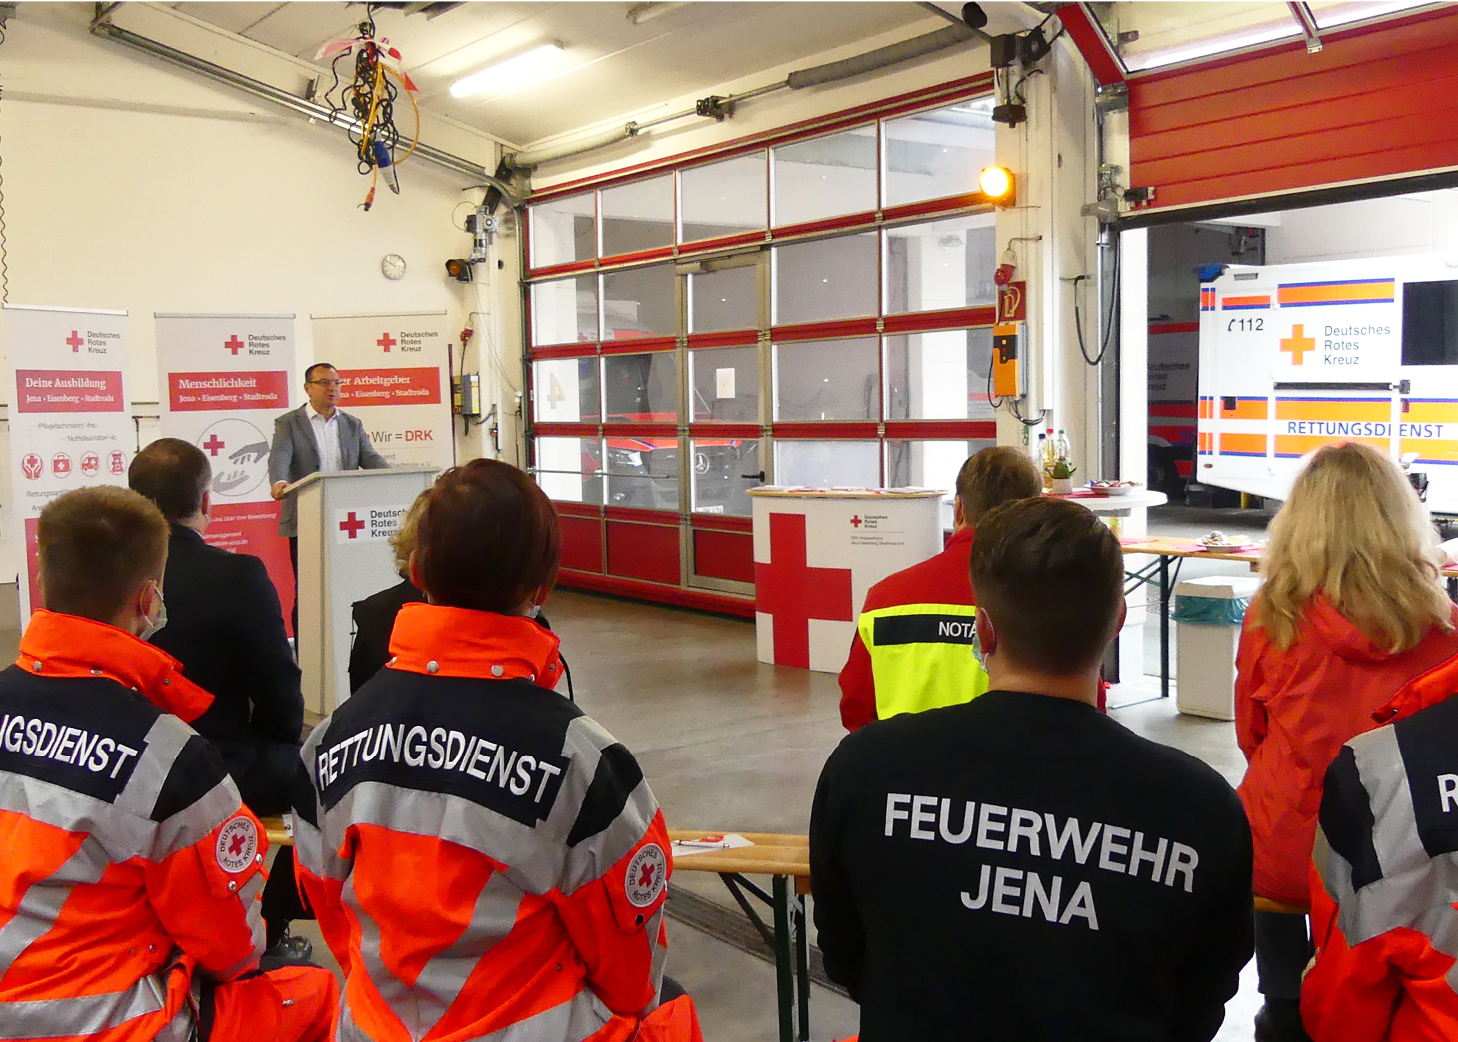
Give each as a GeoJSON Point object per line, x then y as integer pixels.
{"type": "Point", "coordinates": [1351, 609]}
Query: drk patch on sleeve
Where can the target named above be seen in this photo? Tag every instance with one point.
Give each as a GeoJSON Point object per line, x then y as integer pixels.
{"type": "Point", "coordinates": [237, 844]}
{"type": "Point", "coordinates": [647, 876]}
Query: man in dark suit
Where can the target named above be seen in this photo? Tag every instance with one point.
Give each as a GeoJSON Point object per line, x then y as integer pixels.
{"type": "Point", "coordinates": [317, 437]}
{"type": "Point", "coordinates": [225, 626]}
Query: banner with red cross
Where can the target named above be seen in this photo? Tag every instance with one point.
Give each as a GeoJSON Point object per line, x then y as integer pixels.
{"type": "Point", "coordinates": [394, 371]}
{"type": "Point", "coordinates": [816, 554]}
{"type": "Point", "coordinates": [224, 379]}
{"type": "Point", "coordinates": [70, 415]}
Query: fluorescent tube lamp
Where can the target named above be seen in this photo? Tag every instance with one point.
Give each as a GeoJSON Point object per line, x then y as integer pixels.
{"type": "Point", "coordinates": [518, 71]}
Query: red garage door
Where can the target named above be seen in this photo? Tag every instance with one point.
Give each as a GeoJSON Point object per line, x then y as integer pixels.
{"type": "Point", "coordinates": [1376, 102]}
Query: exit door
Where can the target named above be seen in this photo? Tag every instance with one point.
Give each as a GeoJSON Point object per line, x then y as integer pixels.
{"type": "Point", "coordinates": [724, 323]}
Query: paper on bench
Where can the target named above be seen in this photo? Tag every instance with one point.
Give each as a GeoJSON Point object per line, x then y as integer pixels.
{"type": "Point", "coordinates": [731, 841]}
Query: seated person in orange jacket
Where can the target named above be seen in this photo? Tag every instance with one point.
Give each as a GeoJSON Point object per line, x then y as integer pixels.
{"type": "Point", "coordinates": [1384, 892]}
{"type": "Point", "coordinates": [485, 860]}
{"type": "Point", "coordinates": [901, 660]}
{"type": "Point", "coordinates": [131, 871]}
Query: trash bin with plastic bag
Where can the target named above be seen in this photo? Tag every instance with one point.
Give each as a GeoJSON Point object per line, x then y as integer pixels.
{"type": "Point", "coordinates": [1208, 613]}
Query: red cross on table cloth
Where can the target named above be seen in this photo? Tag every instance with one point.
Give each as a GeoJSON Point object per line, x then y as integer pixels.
{"type": "Point", "coordinates": [387, 341]}
{"type": "Point", "coordinates": [352, 525]}
{"type": "Point", "coordinates": [233, 344]}
{"type": "Point", "coordinates": [792, 593]}
{"type": "Point", "coordinates": [214, 444]}
{"type": "Point", "coordinates": [75, 341]}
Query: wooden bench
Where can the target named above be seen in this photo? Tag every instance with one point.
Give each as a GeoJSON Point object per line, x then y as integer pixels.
{"type": "Point", "coordinates": [786, 860]}
{"type": "Point", "coordinates": [278, 835]}
{"type": "Point", "coordinates": [1265, 904]}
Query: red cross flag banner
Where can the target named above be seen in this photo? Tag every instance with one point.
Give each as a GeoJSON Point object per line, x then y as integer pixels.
{"type": "Point", "coordinates": [70, 417]}
{"type": "Point", "coordinates": [223, 380]}
{"type": "Point", "coordinates": [817, 552]}
{"type": "Point", "coordinates": [394, 370]}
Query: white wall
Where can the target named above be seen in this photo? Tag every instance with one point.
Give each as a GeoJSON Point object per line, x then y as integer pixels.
{"type": "Point", "coordinates": [1370, 228]}
{"type": "Point", "coordinates": [133, 185]}
{"type": "Point", "coordinates": [130, 184]}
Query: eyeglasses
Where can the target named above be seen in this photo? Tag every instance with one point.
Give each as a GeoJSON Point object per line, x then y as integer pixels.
{"type": "Point", "coordinates": [328, 383]}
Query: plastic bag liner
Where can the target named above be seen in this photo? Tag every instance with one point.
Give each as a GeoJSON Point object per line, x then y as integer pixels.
{"type": "Point", "coordinates": [1210, 611]}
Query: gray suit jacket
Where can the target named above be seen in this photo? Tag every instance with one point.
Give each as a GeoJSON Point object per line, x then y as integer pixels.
{"type": "Point", "coordinates": [295, 454]}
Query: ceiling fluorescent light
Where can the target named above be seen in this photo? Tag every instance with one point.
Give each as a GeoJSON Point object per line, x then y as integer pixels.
{"type": "Point", "coordinates": [519, 71]}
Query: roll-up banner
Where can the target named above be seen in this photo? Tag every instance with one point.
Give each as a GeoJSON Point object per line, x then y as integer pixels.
{"type": "Point", "coordinates": [224, 379]}
{"type": "Point", "coordinates": [394, 371]}
{"type": "Point", "coordinates": [70, 416]}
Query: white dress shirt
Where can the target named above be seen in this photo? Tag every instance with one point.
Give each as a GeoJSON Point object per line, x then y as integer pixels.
{"type": "Point", "coordinates": [326, 437]}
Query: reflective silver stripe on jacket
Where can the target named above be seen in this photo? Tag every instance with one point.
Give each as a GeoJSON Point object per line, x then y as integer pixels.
{"type": "Point", "coordinates": [421, 1005]}
{"type": "Point", "coordinates": [1415, 890]}
{"type": "Point", "coordinates": [575, 1020]}
{"type": "Point", "coordinates": [86, 1014]}
{"type": "Point", "coordinates": [538, 857]}
{"type": "Point", "coordinates": [40, 907]}
{"type": "Point", "coordinates": [125, 828]}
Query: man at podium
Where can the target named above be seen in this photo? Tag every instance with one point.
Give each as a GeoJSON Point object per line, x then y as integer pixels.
{"type": "Point", "coordinates": [316, 438]}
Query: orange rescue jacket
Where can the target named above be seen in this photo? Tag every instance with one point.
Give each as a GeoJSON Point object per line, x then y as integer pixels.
{"type": "Point", "coordinates": [1384, 899]}
{"type": "Point", "coordinates": [482, 856]}
{"type": "Point", "coordinates": [130, 864]}
{"type": "Point", "coordinates": [1293, 710]}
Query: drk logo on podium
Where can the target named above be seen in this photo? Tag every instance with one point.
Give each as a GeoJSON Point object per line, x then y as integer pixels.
{"type": "Point", "coordinates": [365, 524]}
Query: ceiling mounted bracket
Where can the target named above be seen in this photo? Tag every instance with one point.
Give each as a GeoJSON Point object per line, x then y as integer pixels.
{"type": "Point", "coordinates": [1307, 21]}
{"type": "Point", "coordinates": [715, 107]}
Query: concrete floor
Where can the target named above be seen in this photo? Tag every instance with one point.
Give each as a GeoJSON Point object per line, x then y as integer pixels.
{"type": "Point", "coordinates": [728, 742]}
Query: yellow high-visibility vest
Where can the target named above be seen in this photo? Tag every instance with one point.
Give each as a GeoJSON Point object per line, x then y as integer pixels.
{"type": "Point", "coordinates": [922, 656]}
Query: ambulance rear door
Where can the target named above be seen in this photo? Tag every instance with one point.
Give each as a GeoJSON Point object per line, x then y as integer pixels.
{"type": "Point", "coordinates": [1427, 293]}
{"type": "Point", "coordinates": [1336, 360]}
{"type": "Point", "coordinates": [1237, 349]}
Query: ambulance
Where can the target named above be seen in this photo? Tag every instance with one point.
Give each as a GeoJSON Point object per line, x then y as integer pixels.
{"type": "Point", "coordinates": [1297, 356]}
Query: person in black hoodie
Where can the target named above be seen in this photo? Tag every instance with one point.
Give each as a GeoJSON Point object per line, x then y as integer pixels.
{"type": "Point", "coordinates": [374, 617]}
{"type": "Point", "coordinates": [1021, 866]}
{"type": "Point", "coordinates": [225, 625]}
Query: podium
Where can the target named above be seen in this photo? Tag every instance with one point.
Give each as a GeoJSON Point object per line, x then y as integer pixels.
{"type": "Point", "coordinates": [816, 553]}
{"type": "Point", "coordinates": [345, 523]}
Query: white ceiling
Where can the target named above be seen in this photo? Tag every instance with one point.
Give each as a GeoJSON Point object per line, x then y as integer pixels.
{"type": "Point", "coordinates": [610, 67]}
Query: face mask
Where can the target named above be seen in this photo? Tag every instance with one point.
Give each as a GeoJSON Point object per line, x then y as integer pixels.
{"type": "Point", "coordinates": [153, 625]}
{"type": "Point", "coordinates": [536, 609]}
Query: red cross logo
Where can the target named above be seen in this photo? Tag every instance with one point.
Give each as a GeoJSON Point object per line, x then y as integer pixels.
{"type": "Point", "coordinates": [214, 445]}
{"type": "Point", "coordinates": [237, 843]}
{"type": "Point", "coordinates": [856, 521]}
{"type": "Point", "coordinates": [75, 341]}
{"type": "Point", "coordinates": [233, 344]}
{"type": "Point", "coordinates": [352, 525]}
{"type": "Point", "coordinates": [793, 594]}
{"type": "Point", "coordinates": [1298, 343]}
{"type": "Point", "coordinates": [387, 341]}
{"type": "Point", "coordinates": [645, 877]}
